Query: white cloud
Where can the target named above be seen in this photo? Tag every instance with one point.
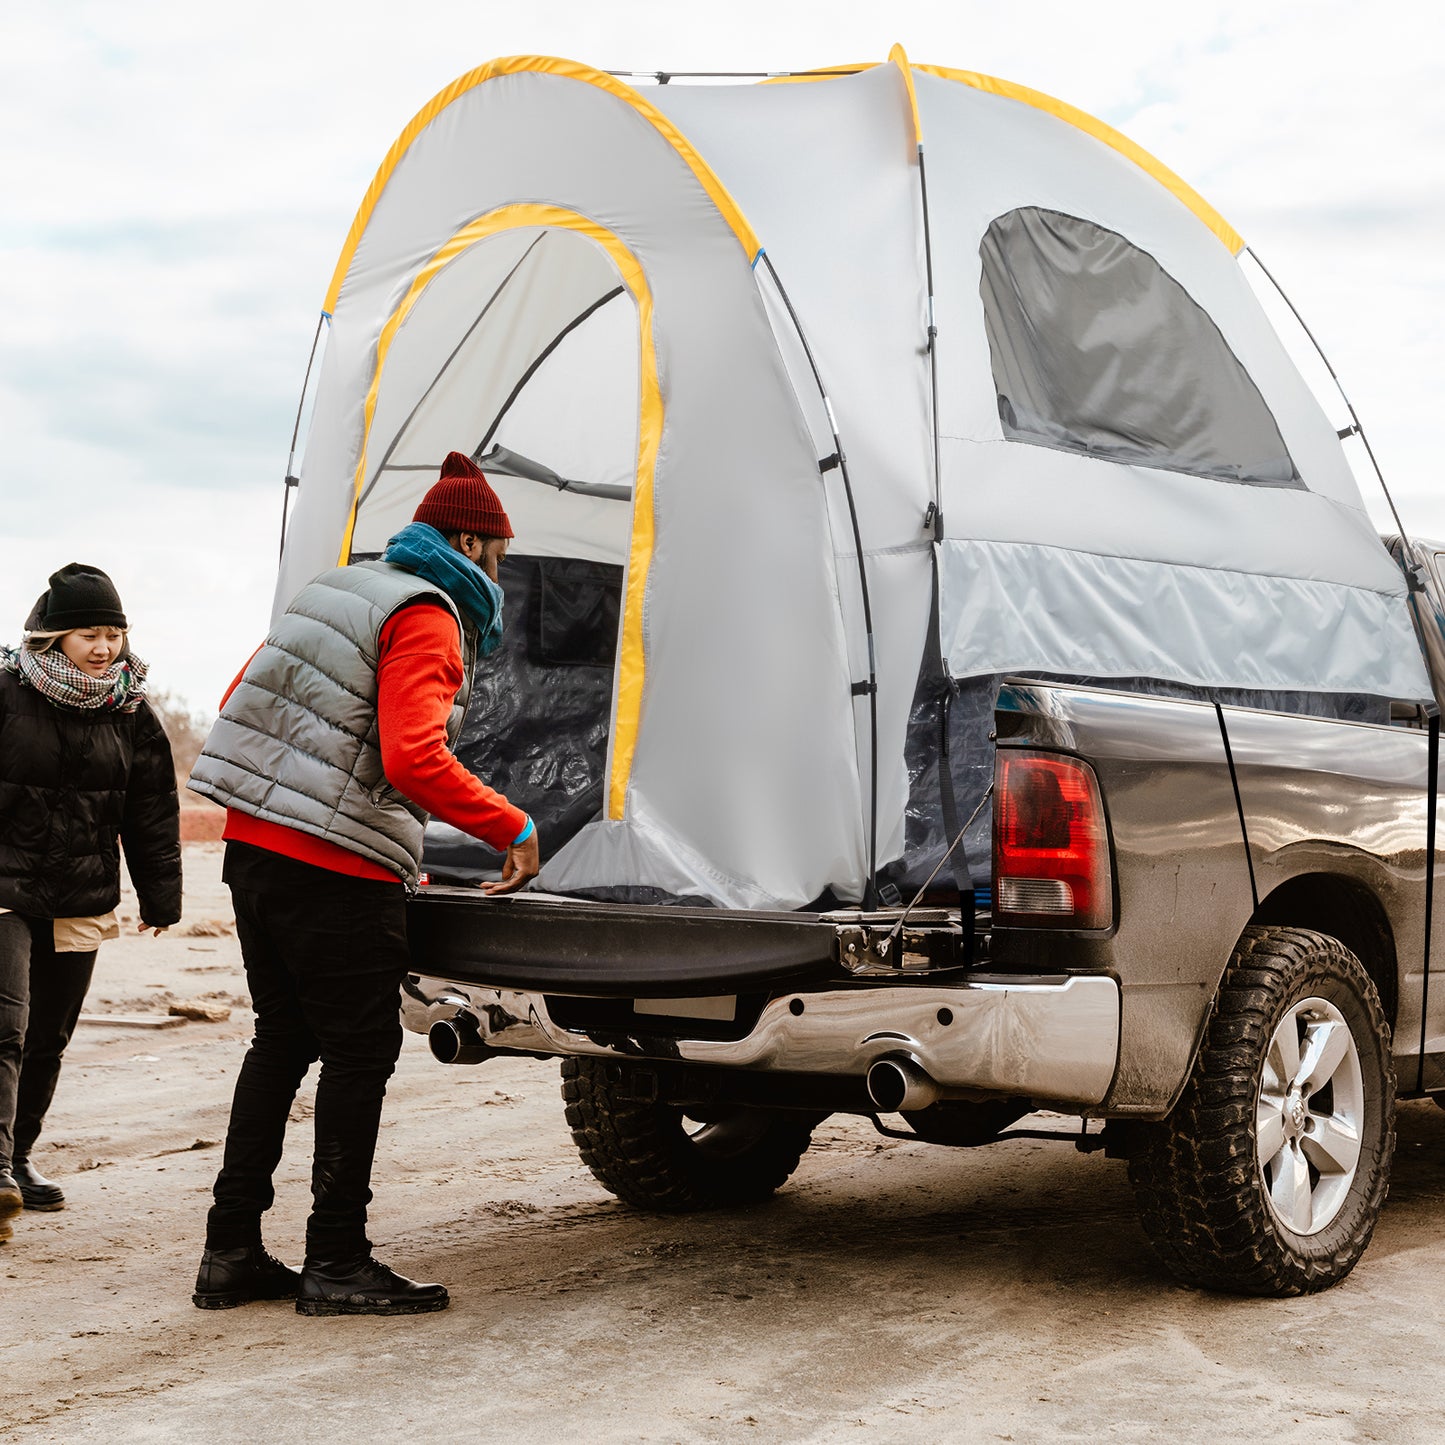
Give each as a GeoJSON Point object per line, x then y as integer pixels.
{"type": "Point", "coordinates": [188, 174]}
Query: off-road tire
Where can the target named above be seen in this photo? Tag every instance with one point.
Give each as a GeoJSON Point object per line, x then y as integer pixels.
{"type": "Point", "coordinates": [1199, 1185]}
{"type": "Point", "coordinates": [646, 1155]}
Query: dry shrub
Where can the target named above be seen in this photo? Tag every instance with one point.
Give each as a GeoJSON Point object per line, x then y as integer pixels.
{"type": "Point", "coordinates": [185, 728]}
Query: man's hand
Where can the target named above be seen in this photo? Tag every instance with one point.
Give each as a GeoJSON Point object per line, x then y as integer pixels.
{"type": "Point", "coordinates": [147, 928]}
{"type": "Point", "coordinates": [523, 862]}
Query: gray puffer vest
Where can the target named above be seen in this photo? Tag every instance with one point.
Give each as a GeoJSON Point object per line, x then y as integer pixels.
{"type": "Point", "coordinates": [297, 741]}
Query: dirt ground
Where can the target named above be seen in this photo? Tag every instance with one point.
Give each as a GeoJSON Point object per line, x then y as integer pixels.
{"type": "Point", "coordinates": [892, 1291]}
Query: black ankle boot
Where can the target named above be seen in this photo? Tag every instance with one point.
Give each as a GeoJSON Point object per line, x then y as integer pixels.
{"type": "Point", "coordinates": [231, 1277]}
{"type": "Point", "coordinates": [363, 1286]}
{"type": "Point", "coordinates": [38, 1192]}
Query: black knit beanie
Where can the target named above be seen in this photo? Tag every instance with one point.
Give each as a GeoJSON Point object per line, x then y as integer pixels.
{"type": "Point", "coordinates": [78, 596]}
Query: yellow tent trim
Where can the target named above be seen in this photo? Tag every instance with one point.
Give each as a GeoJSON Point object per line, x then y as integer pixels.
{"type": "Point", "coordinates": [899, 57]}
{"type": "Point", "coordinates": [538, 65]}
{"type": "Point", "coordinates": [632, 665]}
{"type": "Point", "coordinates": [1090, 125]}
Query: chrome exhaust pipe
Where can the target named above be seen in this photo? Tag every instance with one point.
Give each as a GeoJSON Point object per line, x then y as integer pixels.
{"type": "Point", "coordinates": [898, 1085]}
{"type": "Point", "coordinates": [457, 1041]}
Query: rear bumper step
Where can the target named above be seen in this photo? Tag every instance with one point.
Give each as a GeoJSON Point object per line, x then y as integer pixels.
{"type": "Point", "coordinates": [1044, 1038]}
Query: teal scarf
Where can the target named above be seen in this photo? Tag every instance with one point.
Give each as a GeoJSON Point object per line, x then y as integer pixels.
{"type": "Point", "coordinates": [423, 550]}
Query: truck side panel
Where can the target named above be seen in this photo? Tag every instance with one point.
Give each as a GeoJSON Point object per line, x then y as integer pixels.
{"type": "Point", "coordinates": [1181, 874]}
{"type": "Point", "coordinates": [1347, 803]}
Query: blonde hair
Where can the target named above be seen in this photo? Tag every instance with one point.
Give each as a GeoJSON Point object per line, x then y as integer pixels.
{"type": "Point", "coordinates": [42, 641]}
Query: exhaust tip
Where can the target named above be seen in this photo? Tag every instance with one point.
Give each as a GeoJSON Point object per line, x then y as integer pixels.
{"type": "Point", "coordinates": [899, 1085]}
{"type": "Point", "coordinates": [456, 1041]}
{"type": "Point", "coordinates": [887, 1085]}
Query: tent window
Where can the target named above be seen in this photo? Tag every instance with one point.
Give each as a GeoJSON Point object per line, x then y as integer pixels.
{"type": "Point", "coordinates": [1096, 349]}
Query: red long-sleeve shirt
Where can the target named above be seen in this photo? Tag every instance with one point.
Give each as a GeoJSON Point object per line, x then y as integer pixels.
{"type": "Point", "coordinates": [419, 673]}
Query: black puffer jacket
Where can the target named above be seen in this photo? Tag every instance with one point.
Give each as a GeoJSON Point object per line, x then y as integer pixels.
{"type": "Point", "coordinates": [74, 783]}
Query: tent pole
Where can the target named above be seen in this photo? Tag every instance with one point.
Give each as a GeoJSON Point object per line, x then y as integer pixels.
{"type": "Point", "coordinates": [937, 518]}
{"type": "Point", "coordinates": [445, 367]}
{"type": "Point", "coordinates": [958, 862]}
{"type": "Point", "coordinates": [292, 480]}
{"type": "Point", "coordinates": [840, 459]}
{"type": "Point", "coordinates": [532, 369]}
{"type": "Point", "coordinates": [1356, 426]}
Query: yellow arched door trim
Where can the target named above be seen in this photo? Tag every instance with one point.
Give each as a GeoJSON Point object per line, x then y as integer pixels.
{"type": "Point", "coordinates": [539, 65]}
{"type": "Point", "coordinates": [1116, 140]}
{"type": "Point", "coordinates": [632, 663]}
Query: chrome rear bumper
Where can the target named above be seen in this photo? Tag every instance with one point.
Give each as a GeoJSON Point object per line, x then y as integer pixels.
{"type": "Point", "coordinates": [1053, 1039]}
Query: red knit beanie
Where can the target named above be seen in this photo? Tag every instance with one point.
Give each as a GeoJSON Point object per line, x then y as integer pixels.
{"type": "Point", "coordinates": [463, 501]}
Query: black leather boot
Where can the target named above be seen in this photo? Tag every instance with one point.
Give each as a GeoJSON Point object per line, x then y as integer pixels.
{"type": "Point", "coordinates": [231, 1277]}
{"type": "Point", "coordinates": [364, 1286]}
{"type": "Point", "coordinates": [36, 1190]}
{"type": "Point", "coordinates": [11, 1203]}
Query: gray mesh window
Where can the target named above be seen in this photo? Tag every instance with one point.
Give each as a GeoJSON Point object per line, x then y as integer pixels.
{"type": "Point", "coordinates": [1098, 350]}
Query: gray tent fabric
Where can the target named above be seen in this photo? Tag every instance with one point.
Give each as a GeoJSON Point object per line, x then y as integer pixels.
{"type": "Point", "coordinates": [705, 309]}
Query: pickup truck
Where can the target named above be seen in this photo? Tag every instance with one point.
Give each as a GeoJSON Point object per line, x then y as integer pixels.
{"type": "Point", "coordinates": [1208, 936]}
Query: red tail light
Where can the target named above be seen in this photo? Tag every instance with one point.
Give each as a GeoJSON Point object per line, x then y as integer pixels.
{"type": "Point", "coordinates": [1050, 844]}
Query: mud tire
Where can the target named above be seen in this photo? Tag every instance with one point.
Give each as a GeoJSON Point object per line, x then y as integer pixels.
{"type": "Point", "coordinates": [648, 1156]}
{"type": "Point", "coordinates": [1200, 1188]}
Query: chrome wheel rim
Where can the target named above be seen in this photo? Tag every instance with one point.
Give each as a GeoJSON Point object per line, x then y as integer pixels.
{"type": "Point", "coordinates": [1309, 1116]}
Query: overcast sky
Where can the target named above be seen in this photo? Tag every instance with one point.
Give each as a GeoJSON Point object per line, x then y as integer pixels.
{"type": "Point", "coordinates": [176, 181]}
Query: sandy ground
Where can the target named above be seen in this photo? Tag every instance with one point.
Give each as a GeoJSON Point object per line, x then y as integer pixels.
{"type": "Point", "coordinates": [892, 1291]}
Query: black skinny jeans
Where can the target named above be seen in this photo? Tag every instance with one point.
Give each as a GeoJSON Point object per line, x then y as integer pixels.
{"type": "Point", "coordinates": [325, 956]}
{"type": "Point", "coordinates": [41, 994]}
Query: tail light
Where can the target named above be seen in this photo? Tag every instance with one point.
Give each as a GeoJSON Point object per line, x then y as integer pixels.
{"type": "Point", "coordinates": [1050, 844]}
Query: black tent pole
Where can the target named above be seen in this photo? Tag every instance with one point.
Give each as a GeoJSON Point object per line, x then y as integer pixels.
{"type": "Point", "coordinates": [1356, 427]}
{"type": "Point", "coordinates": [292, 480]}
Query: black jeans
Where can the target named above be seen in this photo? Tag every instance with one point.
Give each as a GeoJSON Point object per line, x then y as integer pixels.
{"type": "Point", "coordinates": [41, 994]}
{"type": "Point", "coordinates": [325, 956]}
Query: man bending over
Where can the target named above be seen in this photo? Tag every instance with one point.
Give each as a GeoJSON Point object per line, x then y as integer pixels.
{"type": "Point", "coordinates": [331, 749]}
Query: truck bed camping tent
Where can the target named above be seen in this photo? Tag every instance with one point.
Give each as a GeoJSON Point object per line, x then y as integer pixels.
{"type": "Point", "coordinates": [752, 382]}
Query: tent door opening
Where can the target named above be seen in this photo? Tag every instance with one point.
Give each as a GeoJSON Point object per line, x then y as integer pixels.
{"type": "Point", "coordinates": [523, 353]}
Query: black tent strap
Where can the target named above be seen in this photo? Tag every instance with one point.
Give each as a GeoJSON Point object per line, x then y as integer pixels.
{"type": "Point", "coordinates": [966, 896]}
{"type": "Point", "coordinates": [962, 875]}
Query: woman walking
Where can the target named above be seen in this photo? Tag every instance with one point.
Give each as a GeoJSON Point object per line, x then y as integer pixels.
{"type": "Point", "coordinates": [84, 765]}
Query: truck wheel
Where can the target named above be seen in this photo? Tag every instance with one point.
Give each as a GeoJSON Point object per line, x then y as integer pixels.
{"type": "Point", "coordinates": [1268, 1176]}
{"type": "Point", "coordinates": [658, 1156]}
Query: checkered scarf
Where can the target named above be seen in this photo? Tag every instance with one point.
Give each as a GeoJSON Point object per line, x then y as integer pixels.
{"type": "Point", "coordinates": [56, 678]}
